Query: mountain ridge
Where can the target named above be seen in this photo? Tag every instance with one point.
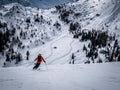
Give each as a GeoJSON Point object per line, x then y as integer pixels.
{"type": "Point", "coordinates": [36, 3]}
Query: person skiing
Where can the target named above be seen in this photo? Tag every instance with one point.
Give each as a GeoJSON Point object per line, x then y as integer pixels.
{"type": "Point", "coordinates": [39, 60]}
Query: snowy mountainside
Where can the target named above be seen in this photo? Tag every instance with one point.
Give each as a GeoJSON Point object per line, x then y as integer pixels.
{"type": "Point", "coordinates": [36, 3]}
{"type": "Point", "coordinates": [109, 11]}
{"type": "Point", "coordinates": [51, 31]}
{"type": "Point", "coordinates": [92, 21]}
{"type": "Point", "coordinates": [97, 14]}
{"type": "Point", "coordinates": [27, 27]}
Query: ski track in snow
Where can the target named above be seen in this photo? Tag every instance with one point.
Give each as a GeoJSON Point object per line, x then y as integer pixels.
{"type": "Point", "coordinates": [65, 54]}
{"type": "Point", "coordinates": [51, 48]}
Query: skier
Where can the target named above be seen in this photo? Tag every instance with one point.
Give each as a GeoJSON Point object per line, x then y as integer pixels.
{"type": "Point", "coordinates": [27, 55]}
{"type": "Point", "coordinates": [39, 60]}
{"type": "Point", "coordinates": [73, 59]}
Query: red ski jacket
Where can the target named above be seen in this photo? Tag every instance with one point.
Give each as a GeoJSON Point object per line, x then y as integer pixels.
{"type": "Point", "coordinates": [41, 60]}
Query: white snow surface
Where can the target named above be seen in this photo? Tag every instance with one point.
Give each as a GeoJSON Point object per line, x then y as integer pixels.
{"type": "Point", "coordinates": [62, 77]}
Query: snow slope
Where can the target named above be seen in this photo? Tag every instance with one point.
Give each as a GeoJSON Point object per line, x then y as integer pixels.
{"type": "Point", "coordinates": [109, 11]}
{"type": "Point", "coordinates": [62, 77]}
